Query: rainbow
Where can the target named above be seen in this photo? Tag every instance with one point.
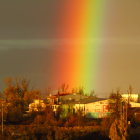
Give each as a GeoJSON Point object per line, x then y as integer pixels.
{"type": "Point", "coordinates": [81, 27]}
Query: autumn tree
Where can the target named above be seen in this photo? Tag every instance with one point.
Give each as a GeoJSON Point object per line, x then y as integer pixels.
{"type": "Point", "coordinates": [115, 103]}
{"type": "Point", "coordinates": [18, 95]}
{"type": "Point", "coordinates": [75, 119]}
{"type": "Point", "coordinates": [49, 116]}
{"type": "Point", "coordinates": [92, 94]}
{"type": "Point", "coordinates": [72, 120]}
{"type": "Point", "coordinates": [81, 91]}
{"type": "Point", "coordinates": [19, 89]}
{"type": "Point", "coordinates": [130, 112]}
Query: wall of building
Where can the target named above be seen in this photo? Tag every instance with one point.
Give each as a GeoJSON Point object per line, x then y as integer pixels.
{"type": "Point", "coordinates": [37, 105]}
{"type": "Point", "coordinates": [97, 109]}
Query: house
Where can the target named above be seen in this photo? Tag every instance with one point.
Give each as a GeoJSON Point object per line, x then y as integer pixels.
{"type": "Point", "coordinates": [52, 99]}
{"type": "Point", "coordinates": [63, 98]}
{"type": "Point", "coordinates": [90, 107]}
{"type": "Point", "coordinates": [97, 108]}
{"type": "Point", "coordinates": [130, 97]}
{"type": "Point", "coordinates": [37, 105]}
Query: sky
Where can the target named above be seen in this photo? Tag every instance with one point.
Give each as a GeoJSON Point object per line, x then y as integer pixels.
{"type": "Point", "coordinates": [29, 38]}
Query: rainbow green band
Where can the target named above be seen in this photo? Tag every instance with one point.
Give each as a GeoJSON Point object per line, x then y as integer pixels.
{"type": "Point", "coordinates": [82, 27]}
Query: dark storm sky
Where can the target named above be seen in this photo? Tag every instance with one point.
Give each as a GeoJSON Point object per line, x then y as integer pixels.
{"type": "Point", "coordinates": [29, 38]}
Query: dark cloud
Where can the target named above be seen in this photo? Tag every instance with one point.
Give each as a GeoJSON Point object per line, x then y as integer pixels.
{"type": "Point", "coordinates": [28, 19]}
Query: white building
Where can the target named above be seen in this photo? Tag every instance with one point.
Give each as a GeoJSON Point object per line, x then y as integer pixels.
{"type": "Point", "coordinates": [37, 105]}
{"type": "Point", "coordinates": [130, 97]}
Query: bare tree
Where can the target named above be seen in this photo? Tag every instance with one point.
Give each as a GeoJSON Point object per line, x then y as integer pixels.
{"type": "Point", "coordinates": [64, 87]}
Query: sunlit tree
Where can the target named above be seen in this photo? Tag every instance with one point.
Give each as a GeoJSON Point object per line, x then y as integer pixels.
{"type": "Point", "coordinates": [115, 103]}
{"type": "Point", "coordinates": [18, 95]}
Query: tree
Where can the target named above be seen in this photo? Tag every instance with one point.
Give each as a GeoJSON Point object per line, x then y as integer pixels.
{"type": "Point", "coordinates": [81, 91]}
{"type": "Point", "coordinates": [72, 120]}
{"type": "Point", "coordinates": [129, 111]}
{"type": "Point", "coordinates": [49, 116]}
{"type": "Point", "coordinates": [64, 88]}
{"type": "Point", "coordinates": [18, 95]}
{"type": "Point", "coordinates": [31, 95]}
{"type": "Point", "coordinates": [14, 114]}
{"type": "Point", "coordinates": [115, 103]}
{"type": "Point", "coordinates": [15, 89]}
{"type": "Point", "coordinates": [19, 90]}
{"type": "Point", "coordinates": [48, 91]}
{"type": "Point", "coordinates": [118, 118]}
{"type": "Point", "coordinates": [92, 94]}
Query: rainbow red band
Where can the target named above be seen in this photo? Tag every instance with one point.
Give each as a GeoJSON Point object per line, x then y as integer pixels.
{"type": "Point", "coordinates": [80, 26]}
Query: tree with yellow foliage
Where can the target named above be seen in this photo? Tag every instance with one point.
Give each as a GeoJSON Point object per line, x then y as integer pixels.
{"type": "Point", "coordinates": [18, 95]}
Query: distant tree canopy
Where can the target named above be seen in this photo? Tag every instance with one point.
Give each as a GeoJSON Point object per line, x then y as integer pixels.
{"type": "Point", "coordinates": [64, 88]}
{"type": "Point", "coordinates": [18, 95]}
{"type": "Point", "coordinates": [92, 94]}
{"type": "Point", "coordinates": [81, 91]}
{"type": "Point", "coordinates": [18, 90]}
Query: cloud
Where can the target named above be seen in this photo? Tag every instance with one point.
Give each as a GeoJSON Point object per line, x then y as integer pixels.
{"type": "Point", "coordinates": [21, 44]}
{"type": "Point", "coordinates": [58, 43]}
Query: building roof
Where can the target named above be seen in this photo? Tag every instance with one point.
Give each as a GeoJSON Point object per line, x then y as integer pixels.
{"type": "Point", "coordinates": [91, 99]}
{"type": "Point", "coordinates": [86, 100]}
